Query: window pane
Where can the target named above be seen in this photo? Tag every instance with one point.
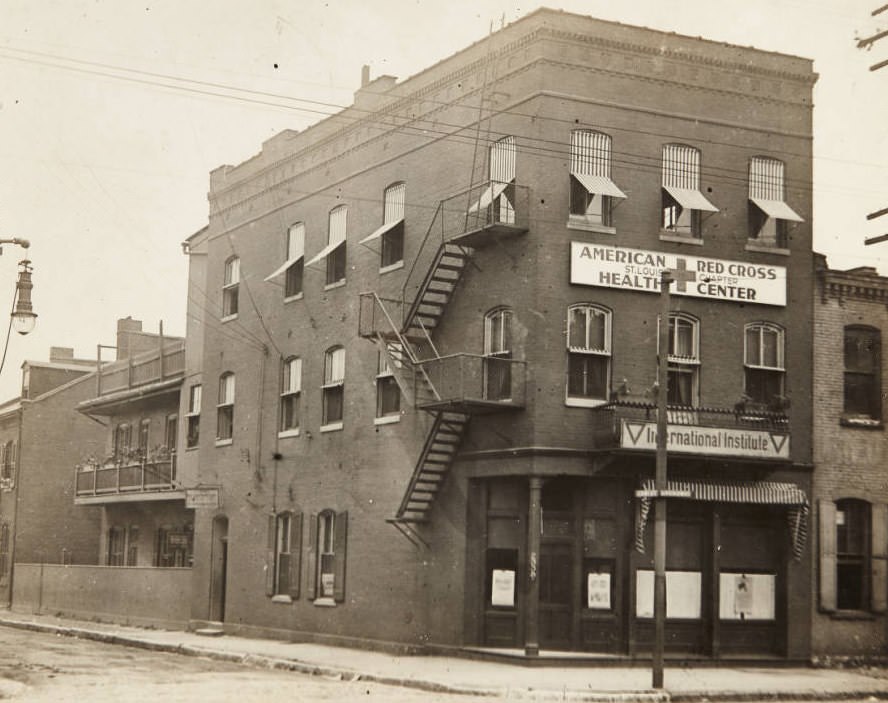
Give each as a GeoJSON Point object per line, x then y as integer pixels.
{"type": "Point", "coordinates": [577, 328]}
{"type": "Point", "coordinates": [293, 279]}
{"type": "Point", "coordinates": [334, 365]}
{"type": "Point", "coordinates": [587, 376]}
{"type": "Point", "coordinates": [682, 338]}
{"type": "Point", "coordinates": [332, 404]}
{"type": "Point", "coordinates": [770, 348]}
{"type": "Point", "coordinates": [763, 385]}
{"type": "Point", "coordinates": [296, 241]}
{"type": "Point", "coordinates": [753, 350]}
{"type": "Point", "coordinates": [861, 350]}
{"type": "Point", "coordinates": [681, 386]}
{"type": "Point", "coordinates": [388, 397]}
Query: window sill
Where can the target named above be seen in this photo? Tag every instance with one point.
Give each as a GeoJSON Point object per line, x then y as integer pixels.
{"type": "Point", "coordinates": [337, 284]}
{"type": "Point", "coordinates": [679, 239]}
{"type": "Point", "coordinates": [291, 298]}
{"type": "Point", "coordinates": [386, 419]}
{"type": "Point", "coordinates": [325, 602]}
{"type": "Point", "coordinates": [862, 423]}
{"type": "Point", "coordinates": [584, 402]}
{"type": "Point", "coordinates": [192, 448]}
{"type": "Point", "coordinates": [577, 223]}
{"type": "Point", "coordinates": [753, 245]}
{"type": "Point", "coordinates": [224, 442]}
{"type": "Point", "coordinates": [283, 434]}
{"type": "Point", "coordinates": [332, 427]}
{"type": "Point", "coordinates": [281, 598]}
{"type": "Point", "coordinates": [392, 267]}
{"type": "Point", "coordinates": [228, 318]}
{"type": "Point", "coordinates": [851, 615]}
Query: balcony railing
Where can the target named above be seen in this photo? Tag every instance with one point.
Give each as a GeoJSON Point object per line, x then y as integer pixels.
{"type": "Point", "coordinates": [473, 380]}
{"type": "Point", "coordinates": [741, 431]}
{"type": "Point", "coordinates": [142, 369]}
{"type": "Point", "coordinates": [125, 477]}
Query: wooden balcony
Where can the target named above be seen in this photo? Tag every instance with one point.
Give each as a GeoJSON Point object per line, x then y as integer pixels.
{"type": "Point", "coordinates": [126, 481]}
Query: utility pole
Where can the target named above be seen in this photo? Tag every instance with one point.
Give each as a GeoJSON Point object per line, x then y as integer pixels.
{"type": "Point", "coordinates": [666, 280]}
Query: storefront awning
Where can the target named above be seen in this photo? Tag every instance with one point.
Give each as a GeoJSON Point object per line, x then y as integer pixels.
{"type": "Point", "coordinates": [776, 209]}
{"type": "Point", "coordinates": [750, 492]}
{"type": "Point", "coordinates": [599, 185]}
{"type": "Point", "coordinates": [690, 199]}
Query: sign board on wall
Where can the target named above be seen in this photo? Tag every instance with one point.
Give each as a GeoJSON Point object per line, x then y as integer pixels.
{"type": "Point", "coordinates": [695, 276]}
{"type": "Point", "coordinates": [707, 440]}
{"type": "Point", "coordinates": [206, 497]}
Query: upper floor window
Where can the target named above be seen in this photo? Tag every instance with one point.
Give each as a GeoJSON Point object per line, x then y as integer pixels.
{"type": "Point", "coordinates": [328, 544]}
{"type": "Point", "coordinates": [334, 388]}
{"type": "Point", "coordinates": [388, 393]}
{"type": "Point", "coordinates": [225, 408]}
{"type": "Point", "coordinates": [293, 266]}
{"type": "Point", "coordinates": [336, 238]}
{"type": "Point", "coordinates": [171, 433]}
{"type": "Point", "coordinates": [683, 384]}
{"type": "Point", "coordinates": [230, 285]}
{"type": "Point", "coordinates": [391, 232]}
{"type": "Point", "coordinates": [588, 354]}
{"type": "Point", "coordinates": [498, 354]}
{"type": "Point", "coordinates": [123, 440]}
{"type": "Point", "coordinates": [497, 202]}
{"type": "Point", "coordinates": [192, 430]}
{"type": "Point", "coordinates": [591, 188]}
{"type": "Point", "coordinates": [7, 471]}
{"type": "Point", "coordinates": [763, 364]}
{"type": "Point", "coordinates": [768, 211]}
{"type": "Point", "coordinates": [291, 392]}
{"type": "Point", "coordinates": [863, 363]}
{"type": "Point", "coordinates": [144, 436]}
{"type": "Point", "coordinates": [682, 200]}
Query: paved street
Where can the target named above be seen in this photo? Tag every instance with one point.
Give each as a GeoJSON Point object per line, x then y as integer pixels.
{"type": "Point", "coordinates": [43, 667]}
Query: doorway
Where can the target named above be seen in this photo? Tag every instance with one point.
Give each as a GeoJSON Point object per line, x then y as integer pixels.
{"type": "Point", "coordinates": [219, 573]}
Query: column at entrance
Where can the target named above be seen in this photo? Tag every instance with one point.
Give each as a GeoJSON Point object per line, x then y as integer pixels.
{"type": "Point", "coordinates": [532, 603]}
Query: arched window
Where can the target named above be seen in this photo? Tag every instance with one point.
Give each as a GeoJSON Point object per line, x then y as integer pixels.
{"type": "Point", "coordinates": [682, 199]}
{"type": "Point", "coordinates": [684, 361]}
{"type": "Point", "coordinates": [498, 354]}
{"type": "Point", "coordinates": [763, 364]}
{"type": "Point", "coordinates": [588, 354]}
{"type": "Point", "coordinates": [591, 187]}
{"type": "Point", "coordinates": [230, 285]}
{"type": "Point", "coordinates": [225, 408]}
{"type": "Point", "coordinates": [768, 211]}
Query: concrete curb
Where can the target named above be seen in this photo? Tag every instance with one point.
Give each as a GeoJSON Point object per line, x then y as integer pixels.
{"type": "Point", "coordinates": [345, 674]}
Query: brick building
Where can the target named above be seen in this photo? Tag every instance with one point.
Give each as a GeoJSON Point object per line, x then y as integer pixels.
{"type": "Point", "coordinates": [850, 453]}
{"type": "Point", "coordinates": [428, 358]}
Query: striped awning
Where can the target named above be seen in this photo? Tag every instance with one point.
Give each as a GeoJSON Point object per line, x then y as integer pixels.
{"type": "Point", "coordinates": [750, 492]}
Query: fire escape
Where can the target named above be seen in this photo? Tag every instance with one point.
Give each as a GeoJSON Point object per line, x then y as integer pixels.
{"type": "Point", "coordinates": [451, 387]}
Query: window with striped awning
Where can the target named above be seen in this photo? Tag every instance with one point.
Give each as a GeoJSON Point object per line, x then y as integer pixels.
{"type": "Point", "coordinates": [751, 492]}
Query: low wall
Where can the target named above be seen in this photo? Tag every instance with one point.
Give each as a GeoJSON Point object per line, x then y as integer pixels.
{"type": "Point", "coordinates": [128, 595]}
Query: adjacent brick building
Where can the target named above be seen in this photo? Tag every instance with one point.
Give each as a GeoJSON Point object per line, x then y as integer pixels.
{"type": "Point", "coordinates": [850, 453]}
{"type": "Point", "coordinates": [428, 358]}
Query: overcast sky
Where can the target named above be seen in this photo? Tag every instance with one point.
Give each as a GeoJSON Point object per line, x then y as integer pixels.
{"type": "Point", "coordinates": [111, 118]}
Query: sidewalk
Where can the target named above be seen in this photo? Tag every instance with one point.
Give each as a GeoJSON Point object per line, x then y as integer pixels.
{"type": "Point", "coordinates": [457, 675]}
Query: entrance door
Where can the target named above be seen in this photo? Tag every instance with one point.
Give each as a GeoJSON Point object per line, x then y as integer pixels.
{"type": "Point", "coordinates": [556, 576]}
{"type": "Point", "coordinates": [219, 573]}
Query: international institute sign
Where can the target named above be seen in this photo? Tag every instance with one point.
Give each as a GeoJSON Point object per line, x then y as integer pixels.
{"type": "Point", "coordinates": [692, 439]}
{"type": "Point", "coordinates": [695, 276]}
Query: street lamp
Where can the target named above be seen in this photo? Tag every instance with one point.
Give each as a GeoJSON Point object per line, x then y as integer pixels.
{"type": "Point", "coordinates": [23, 316]}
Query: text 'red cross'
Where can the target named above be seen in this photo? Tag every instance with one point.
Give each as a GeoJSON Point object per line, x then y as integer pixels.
{"type": "Point", "coordinates": [682, 276]}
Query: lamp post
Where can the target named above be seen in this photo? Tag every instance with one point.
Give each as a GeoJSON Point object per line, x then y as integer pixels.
{"type": "Point", "coordinates": [23, 316]}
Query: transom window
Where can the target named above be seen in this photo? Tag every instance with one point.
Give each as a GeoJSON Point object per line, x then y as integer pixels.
{"type": "Point", "coordinates": [498, 354]}
{"type": "Point", "coordinates": [334, 388]}
{"type": "Point", "coordinates": [768, 211]}
{"type": "Point", "coordinates": [682, 201]}
{"type": "Point", "coordinates": [591, 188]}
{"type": "Point", "coordinates": [225, 408]}
{"type": "Point", "coordinates": [588, 354]}
{"type": "Point", "coordinates": [764, 365]}
{"type": "Point", "coordinates": [863, 391]}
{"type": "Point", "coordinates": [684, 361]}
{"type": "Point", "coordinates": [291, 391]}
{"type": "Point", "coordinates": [230, 285]}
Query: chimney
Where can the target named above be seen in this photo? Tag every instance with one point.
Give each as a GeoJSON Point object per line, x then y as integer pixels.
{"type": "Point", "coordinates": [61, 354]}
{"type": "Point", "coordinates": [125, 327]}
{"type": "Point", "coordinates": [365, 75]}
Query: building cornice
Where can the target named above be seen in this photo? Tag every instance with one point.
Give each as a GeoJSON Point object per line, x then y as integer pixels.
{"type": "Point", "coordinates": [863, 284]}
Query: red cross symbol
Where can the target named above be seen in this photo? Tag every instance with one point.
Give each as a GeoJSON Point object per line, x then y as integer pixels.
{"type": "Point", "coordinates": [682, 276]}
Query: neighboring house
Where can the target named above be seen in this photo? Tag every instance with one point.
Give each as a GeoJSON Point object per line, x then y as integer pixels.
{"type": "Point", "coordinates": [428, 353]}
{"type": "Point", "coordinates": [136, 479]}
{"type": "Point", "coordinates": [850, 456]}
{"type": "Point", "coordinates": [41, 437]}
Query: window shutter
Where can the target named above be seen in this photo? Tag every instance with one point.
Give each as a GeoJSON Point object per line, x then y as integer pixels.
{"type": "Point", "coordinates": [341, 531]}
{"type": "Point", "coordinates": [295, 553]}
{"type": "Point", "coordinates": [827, 555]}
{"type": "Point", "coordinates": [879, 558]}
{"type": "Point", "coordinates": [270, 556]}
{"type": "Point", "coordinates": [312, 567]}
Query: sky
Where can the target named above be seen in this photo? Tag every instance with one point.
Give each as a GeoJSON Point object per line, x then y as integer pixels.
{"type": "Point", "coordinates": [113, 113]}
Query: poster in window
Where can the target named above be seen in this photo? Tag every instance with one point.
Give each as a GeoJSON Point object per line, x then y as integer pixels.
{"type": "Point", "coordinates": [684, 591]}
{"type": "Point", "coordinates": [598, 590]}
{"type": "Point", "coordinates": [327, 585]}
{"type": "Point", "coordinates": [503, 588]}
{"type": "Point", "coordinates": [746, 596]}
